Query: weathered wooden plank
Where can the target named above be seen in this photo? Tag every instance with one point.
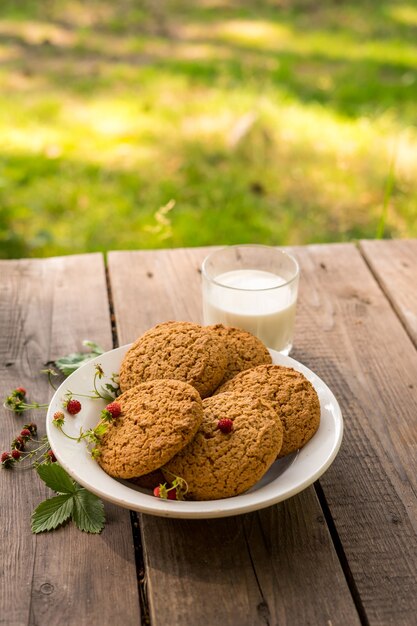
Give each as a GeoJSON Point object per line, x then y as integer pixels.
{"type": "Point", "coordinates": [152, 287]}
{"type": "Point", "coordinates": [47, 307]}
{"type": "Point", "coordinates": [275, 566]}
{"type": "Point", "coordinates": [272, 567]}
{"type": "Point", "coordinates": [394, 264]}
{"type": "Point", "coordinates": [348, 333]}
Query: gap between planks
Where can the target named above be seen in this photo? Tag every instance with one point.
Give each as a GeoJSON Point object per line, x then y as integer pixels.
{"type": "Point", "coordinates": [343, 560]}
{"type": "Point", "coordinates": [134, 518]}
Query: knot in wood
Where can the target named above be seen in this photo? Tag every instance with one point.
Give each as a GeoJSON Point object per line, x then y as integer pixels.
{"type": "Point", "coordinates": [47, 589]}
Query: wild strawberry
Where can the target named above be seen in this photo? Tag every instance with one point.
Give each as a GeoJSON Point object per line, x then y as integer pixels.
{"type": "Point", "coordinates": [114, 409]}
{"type": "Point", "coordinates": [16, 455]}
{"type": "Point", "coordinates": [6, 459]}
{"type": "Point", "coordinates": [51, 456]}
{"type": "Point", "coordinates": [161, 491]}
{"type": "Point", "coordinates": [20, 391]}
{"type": "Point", "coordinates": [32, 427]}
{"type": "Point", "coordinates": [58, 419]}
{"type": "Point", "coordinates": [166, 493]}
{"type": "Point", "coordinates": [25, 433]}
{"type": "Point", "coordinates": [73, 406]}
{"type": "Point", "coordinates": [172, 494]}
{"type": "Point", "coordinates": [18, 443]}
{"type": "Point", "coordinates": [225, 425]}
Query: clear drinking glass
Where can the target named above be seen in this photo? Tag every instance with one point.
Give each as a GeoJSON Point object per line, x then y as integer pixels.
{"type": "Point", "coordinates": [255, 288]}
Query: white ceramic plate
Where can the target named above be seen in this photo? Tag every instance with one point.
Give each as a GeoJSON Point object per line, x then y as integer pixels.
{"type": "Point", "coordinates": [284, 479]}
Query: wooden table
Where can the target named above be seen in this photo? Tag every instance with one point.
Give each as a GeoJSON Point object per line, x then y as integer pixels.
{"type": "Point", "coordinates": [341, 552]}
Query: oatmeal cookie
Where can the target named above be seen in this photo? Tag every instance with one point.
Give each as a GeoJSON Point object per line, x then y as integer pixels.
{"type": "Point", "coordinates": [176, 350]}
{"type": "Point", "coordinates": [290, 393]}
{"type": "Point", "coordinates": [220, 464]}
{"type": "Point", "coordinates": [158, 418]}
{"type": "Point", "coordinates": [244, 350]}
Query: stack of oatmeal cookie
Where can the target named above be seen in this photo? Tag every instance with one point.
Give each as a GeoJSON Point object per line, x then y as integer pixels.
{"type": "Point", "coordinates": [206, 405]}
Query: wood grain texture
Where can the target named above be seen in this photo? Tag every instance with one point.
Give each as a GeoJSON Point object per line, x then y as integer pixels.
{"type": "Point", "coordinates": [153, 287]}
{"type": "Point", "coordinates": [394, 264]}
{"type": "Point", "coordinates": [275, 566]}
{"type": "Point", "coordinates": [348, 333]}
{"type": "Point", "coordinates": [47, 307]}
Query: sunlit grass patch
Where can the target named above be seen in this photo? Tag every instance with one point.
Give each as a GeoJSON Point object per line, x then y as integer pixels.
{"type": "Point", "coordinates": [262, 122]}
{"type": "Point", "coordinates": [404, 13]}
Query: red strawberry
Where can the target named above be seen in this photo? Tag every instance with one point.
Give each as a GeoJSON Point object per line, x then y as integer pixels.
{"type": "Point", "coordinates": [73, 407]}
{"type": "Point", "coordinates": [25, 433]}
{"type": "Point", "coordinates": [114, 409]}
{"type": "Point", "coordinates": [172, 494]}
{"type": "Point", "coordinates": [20, 391]}
{"type": "Point", "coordinates": [51, 456]}
{"type": "Point", "coordinates": [18, 443]}
{"type": "Point", "coordinates": [5, 457]}
{"type": "Point", "coordinates": [166, 494]}
{"type": "Point", "coordinates": [225, 425]}
{"type": "Point", "coordinates": [7, 460]}
{"type": "Point", "coordinates": [32, 428]}
{"type": "Point", "coordinates": [16, 455]}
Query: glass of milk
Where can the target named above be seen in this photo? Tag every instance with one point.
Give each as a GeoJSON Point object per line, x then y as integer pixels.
{"type": "Point", "coordinates": [255, 288]}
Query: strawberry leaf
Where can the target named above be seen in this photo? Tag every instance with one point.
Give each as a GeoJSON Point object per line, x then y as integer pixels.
{"type": "Point", "coordinates": [56, 478]}
{"type": "Point", "coordinates": [52, 513]}
{"type": "Point", "coordinates": [109, 397]}
{"type": "Point", "coordinates": [101, 428]}
{"type": "Point", "coordinates": [84, 508]}
{"type": "Point", "coordinates": [112, 388]}
{"type": "Point", "coordinates": [69, 363]}
{"type": "Point", "coordinates": [88, 512]}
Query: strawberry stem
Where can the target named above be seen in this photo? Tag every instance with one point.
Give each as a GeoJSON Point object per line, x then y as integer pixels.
{"type": "Point", "coordinates": [50, 372]}
{"type": "Point", "coordinates": [24, 406]}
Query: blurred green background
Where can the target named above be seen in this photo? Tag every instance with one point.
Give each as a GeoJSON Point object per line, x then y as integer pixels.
{"type": "Point", "coordinates": [145, 124]}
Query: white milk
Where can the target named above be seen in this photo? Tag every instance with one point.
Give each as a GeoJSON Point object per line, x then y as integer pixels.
{"type": "Point", "coordinates": [266, 312]}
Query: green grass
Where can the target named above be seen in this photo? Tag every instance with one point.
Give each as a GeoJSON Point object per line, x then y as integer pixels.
{"type": "Point", "coordinates": [264, 121]}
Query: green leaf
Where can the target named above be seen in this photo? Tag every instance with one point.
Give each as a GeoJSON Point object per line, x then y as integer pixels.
{"type": "Point", "coordinates": [109, 397]}
{"type": "Point", "coordinates": [101, 428]}
{"type": "Point", "coordinates": [88, 512]}
{"type": "Point", "coordinates": [112, 388]}
{"type": "Point", "coordinates": [85, 509]}
{"type": "Point", "coordinates": [56, 478]}
{"type": "Point", "coordinates": [71, 362]}
{"type": "Point", "coordinates": [52, 513]}
{"type": "Point", "coordinates": [68, 364]}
